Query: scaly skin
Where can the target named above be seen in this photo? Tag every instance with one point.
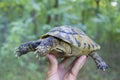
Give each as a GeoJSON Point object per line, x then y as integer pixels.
{"type": "Point", "coordinates": [99, 61]}
{"type": "Point", "coordinates": [41, 46]}
{"type": "Point", "coordinates": [46, 46]}
{"type": "Point", "coordinates": [27, 47]}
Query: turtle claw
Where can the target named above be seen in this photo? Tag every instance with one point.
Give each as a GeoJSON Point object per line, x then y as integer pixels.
{"type": "Point", "coordinates": [37, 54]}
{"type": "Point", "coordinates": [102, 66]}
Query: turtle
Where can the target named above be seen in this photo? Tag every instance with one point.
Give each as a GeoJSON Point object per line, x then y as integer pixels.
{"type": "Point", "coordinates": [64, 41]}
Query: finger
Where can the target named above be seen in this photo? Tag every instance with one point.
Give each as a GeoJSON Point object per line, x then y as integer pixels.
{"type": "Point", "coordinates": [63, 62]}
{"type": "Point", "coordinates": [53, 62]}
{"type": "Point", "coordinates": [78, 65]}
{"type": "Point", "coordinates": [72, 64]}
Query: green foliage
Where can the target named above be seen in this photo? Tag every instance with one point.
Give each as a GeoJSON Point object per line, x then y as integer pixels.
{"type": "Point", "coordinates": [27, 20]}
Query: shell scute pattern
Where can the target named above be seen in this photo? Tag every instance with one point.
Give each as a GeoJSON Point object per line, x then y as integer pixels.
{"type": "Point", "coordinates": [74, 37]}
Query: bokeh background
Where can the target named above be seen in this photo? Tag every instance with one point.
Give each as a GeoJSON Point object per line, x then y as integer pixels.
{"type": "Point", "coordinates": [27, 20]}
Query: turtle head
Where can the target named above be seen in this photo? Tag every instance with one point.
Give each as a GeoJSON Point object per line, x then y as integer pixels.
{"type": "Point", "coordinates": [26, 47]}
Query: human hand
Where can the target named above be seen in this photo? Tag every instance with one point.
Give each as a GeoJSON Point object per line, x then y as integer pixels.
{"type": "Point", "coordinates": [58, 71]}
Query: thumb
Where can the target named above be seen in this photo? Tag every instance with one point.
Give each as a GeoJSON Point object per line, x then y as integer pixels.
{"type": "Point", "coordinates": [78, 64]}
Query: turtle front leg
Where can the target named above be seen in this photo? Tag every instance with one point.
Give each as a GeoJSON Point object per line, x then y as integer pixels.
{"type": "Point", "coordinates": [46, 46]}
{"type": "Point", "coordinates": [99, 61]}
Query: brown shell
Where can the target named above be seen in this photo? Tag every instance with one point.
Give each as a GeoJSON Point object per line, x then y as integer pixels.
{"type": "Point", "coordinates": [74, 36]}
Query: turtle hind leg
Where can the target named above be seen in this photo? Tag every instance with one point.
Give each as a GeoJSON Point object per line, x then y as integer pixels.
{"type": "Point", "coordinates": [101, 65]}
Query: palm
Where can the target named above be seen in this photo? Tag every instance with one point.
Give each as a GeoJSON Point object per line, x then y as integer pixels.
{"type": "Point", "coordinates": [58, 72]}
{"type": "Point", "coordinates": [65, 75]}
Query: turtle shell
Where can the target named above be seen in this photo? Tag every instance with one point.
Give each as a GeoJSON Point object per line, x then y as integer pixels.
{"type": "Point", "coordinates": [74, 36]}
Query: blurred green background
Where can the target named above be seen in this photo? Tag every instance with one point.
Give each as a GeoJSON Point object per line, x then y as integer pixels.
{"type": "Point", "coordinates": [27, 20]}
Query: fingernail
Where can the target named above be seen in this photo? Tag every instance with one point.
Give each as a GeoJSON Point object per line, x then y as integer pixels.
{"type": "Point", "coordinates": [83, 57]}
{"type": "Point", "coordinates": [49, 56]}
